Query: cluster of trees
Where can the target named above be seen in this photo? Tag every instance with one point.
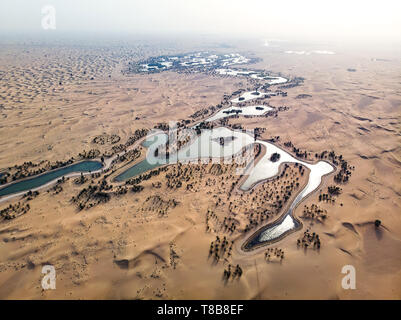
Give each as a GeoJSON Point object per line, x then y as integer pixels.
{"type": "Point", "coordinates": [81, 180]}
{"type": "Point", "coordinates": [138, 134]}
{"type": "Point", "coordinates": [121, 190]}
{"type": "Point", "coordinates": [200, 113]}
{"type": "Point", "coordinates": [326, 197]}
{"type": "Point", "coordinates": [298, 152]}
{"type": "Point", "coordinates": [203, 126]}
{"type": "Point", "coordinates": [289, 185]}
{"type": "Point", "coordinates": [159, 205]}
{"type": "Point", "coordinates": [210, 215]}
{"type": "Point", "coordinates": [115, 149]}
{"type": "Point", "coordinates": [113, 139]}
{"type": "Point", "coordinates": [130, 155]}
{"type": "Point", "coordinates": [301, 168]}
{"type": "Point", "coordinates": [30, 195]}
{"type": "Point", "coordinates": [14, 210]}
{"type": "Point", "coordinates": [233, 111]}
{"type": "Point", "coordinates": [93, 195]}
{"type": "Point", "coordinates": [282, 108]}
{"type": "Point", "coordinates": [256, 217]}
{"type": "Point", "coordinates": [56, 189]}
{"type": "Point", "coordinates": [275, 157]}
{"type": "Point", "coordinates": [164, 126]}
{"type": "Point", "coordinates": [308, 240]}
{"type": "Point", "coordinates": [176, 177]}
{"type": "Point", "coordinates": [180, 174]}
{"type": "Point", "coordinates": [267, 199]}
{"type": "Point", "coordinates": [345, 170]}
{"type": "Point", "coordinates": [274, 252]}
{"type": "Point", "coordinates": [4, 177]}
{"type": "Point", "coordinates": [136, 188]}
{"type": "Point", "coordinates": [297, 81]}
{"type": "Point", "coordinates": [91, 154]}
{"type": "Point", "coordinates": [146, 176]}
{"type": "Point", "coordinates": [106, 138]}
{"type": "Point", "coordinates": [232, 273]}
{"type": "Point", "coordinates": [330, 155]}
{"type": "Point", "coordinates": [229, 224]}
{"type": "Point", "coordinates": [156, 185]}
{"type": "Point", "coordinates": [258, 132]}
{"type": "Point", "coordinates": [344, 173]}
{"type": "Point", "coordinates": [221, 248]}
{"type": "Point", "coordinates": [275, 139]}
{"type": "Point", "coordinates": [314, 212]}
{"type": "Point", "coordinates": [334, 190]}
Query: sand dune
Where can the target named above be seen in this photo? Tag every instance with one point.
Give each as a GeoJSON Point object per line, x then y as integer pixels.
{"type": "Point", "coordinates": [124, 249]}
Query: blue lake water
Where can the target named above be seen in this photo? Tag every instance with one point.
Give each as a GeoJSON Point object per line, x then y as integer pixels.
{"type": "Point", "coordinates": [144, 165]}
{"type": "Point", "coordinates": [35, 182]}
{"type": "Point", "coordinates": [135, 170]}
{"type": "Point", "coordinates": [204, 146]}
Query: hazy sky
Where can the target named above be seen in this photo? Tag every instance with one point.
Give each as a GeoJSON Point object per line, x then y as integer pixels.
{"type": "Point", "coordinates": [365, 19]}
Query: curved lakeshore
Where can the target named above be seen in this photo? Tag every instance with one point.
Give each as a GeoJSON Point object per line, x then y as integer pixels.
{"type": "Point", "coordinates": [144, 165]}
{"type": "Point", "coordinates": [287, 223]}
{"type": "Point", "coordinates": [37, 182]}
{"type": "Point", "coordinates": [263, 170]}
{"type": "Point", "coordinates": [209, 144]}
{"type": "Point", "coordinates": [103, 167]}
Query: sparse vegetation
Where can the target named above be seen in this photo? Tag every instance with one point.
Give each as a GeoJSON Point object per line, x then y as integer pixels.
{"type": "Point", "coordinates": [309, 240]}
{"type": "Point", "coordinates": [275, 157]}
{"type": "Point", "coordinates": [274, 254]}
{"type": "Point", "coordinates": [314, 213]}
{"type": "Point", "coordinates": [14, 210]}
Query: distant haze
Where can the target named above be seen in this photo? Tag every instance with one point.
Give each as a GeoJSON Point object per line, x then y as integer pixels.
{"type": "Point", "coordinates": [350, 19]}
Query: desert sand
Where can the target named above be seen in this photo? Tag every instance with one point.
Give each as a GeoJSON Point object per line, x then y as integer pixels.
{"type": "Point", "coordinates": [154, 244]}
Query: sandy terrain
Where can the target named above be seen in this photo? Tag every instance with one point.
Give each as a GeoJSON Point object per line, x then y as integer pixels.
{"type": "Point", "coordinates": [154, 244]}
